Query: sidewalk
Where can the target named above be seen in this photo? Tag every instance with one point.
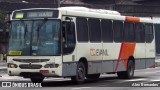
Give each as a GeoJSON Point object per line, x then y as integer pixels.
{"type": "Point", "coordinates": [158, 61]}
{"type": "Point", "coordinates": [3, 67]}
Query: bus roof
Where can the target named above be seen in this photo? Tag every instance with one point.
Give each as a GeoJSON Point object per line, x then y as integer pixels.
{"type": "Point", "coordinates": [84, 9]}
{"type": "Point", "coordinates": [94, 13]}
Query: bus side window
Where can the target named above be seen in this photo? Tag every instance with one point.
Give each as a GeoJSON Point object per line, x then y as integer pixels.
{"type": "Point", "coordinates": [118, 31]}
{"type": "Point", "coordinates": [68, 36]}
{"type": "Point", "coordinates": [140, 32]}
{"type": "Point", "coordinates": [149, 36]}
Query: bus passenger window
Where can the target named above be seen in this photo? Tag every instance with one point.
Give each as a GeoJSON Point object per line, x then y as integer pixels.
{"type": "Point", "coordinates": [94, 30]}
{"type": "Point", "coordinates": [82, 29]}
{"type": "Point", "coordinates": [118, 31]}
{"type": "Point", "coordinates": [149, 33]}
{"type": "Point", "coordinates": [140, 33]}
{"type": "Point", "coordinates": [107, 31]}
{"type": "Point", "coordinates": [129, 34]}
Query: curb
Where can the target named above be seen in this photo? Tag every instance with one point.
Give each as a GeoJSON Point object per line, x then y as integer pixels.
{"type": "Point", "coordinates": [2, 70]}
{"type": "Point", "coordinates": [3, 66]}
{"type": "Point", "coordinates": [157, 64]}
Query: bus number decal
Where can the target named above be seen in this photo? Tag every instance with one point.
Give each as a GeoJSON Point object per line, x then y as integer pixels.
{"type": "Point", "coordinates": [15, 52]}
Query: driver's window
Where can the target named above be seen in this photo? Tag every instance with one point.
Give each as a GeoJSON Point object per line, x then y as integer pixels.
{"type": "Point", "coordinates": [68, 37]}
{"type": "Point", "coordinates": [17, 36]}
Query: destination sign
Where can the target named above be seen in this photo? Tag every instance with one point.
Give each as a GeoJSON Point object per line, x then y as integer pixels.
{"type": "Point", "coordinates": [28, 14]}
{"type": "Point", "coordinates": [39, 14]}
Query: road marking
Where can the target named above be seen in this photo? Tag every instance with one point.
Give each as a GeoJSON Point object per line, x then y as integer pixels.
{"type": "Point", "coordinates": [103, 85]}
{"type": "Point", "coordinates": [153, 72]}
{"type": "Point", "coordinates": [142, 79]}
{"type": "Point", "coordinates": [154, 80]}
{"type": "Point", "coordinates": [80, 88]}
{"type": "Point", "coordinates": [7, 77]}
{"type": "Point", "coordinates": [156, 68]}
{"type": "Point", "coordinates": [147, 79]}
{"type": "Point", "coordinates": [56, 79]}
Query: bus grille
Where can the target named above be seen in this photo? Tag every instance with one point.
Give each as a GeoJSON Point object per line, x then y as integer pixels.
{"type": "Point", "coordinates": [27, 66]}
{"type": "Point", "coordinates": [31, 60]}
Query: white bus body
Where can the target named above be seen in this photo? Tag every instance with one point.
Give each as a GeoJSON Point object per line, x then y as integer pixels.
{"type": "Point", "coordinates": [96, 57]}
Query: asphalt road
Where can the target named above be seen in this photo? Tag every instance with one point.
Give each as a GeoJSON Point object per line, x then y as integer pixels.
{"type": "Point", "coordinates": [146, 79]}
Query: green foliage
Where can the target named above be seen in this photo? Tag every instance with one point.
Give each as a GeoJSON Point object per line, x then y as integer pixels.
{"type": "Point", "coordinates": [2, 15]}
{"type": "Point", "coordinates": [2, 18]}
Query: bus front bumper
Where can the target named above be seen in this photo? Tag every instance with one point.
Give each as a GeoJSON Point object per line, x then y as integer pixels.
{"type": "Point", "coordinates": [27, 72]}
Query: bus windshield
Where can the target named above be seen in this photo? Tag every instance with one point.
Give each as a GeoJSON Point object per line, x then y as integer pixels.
{"type": "Point", "coordinates": [35, 37]}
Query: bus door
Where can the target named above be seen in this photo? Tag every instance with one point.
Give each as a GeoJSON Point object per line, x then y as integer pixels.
{"type": "Point", "coordinates": [68, 45]}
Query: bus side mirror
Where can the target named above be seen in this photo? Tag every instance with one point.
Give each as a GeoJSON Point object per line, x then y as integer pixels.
{"type": "Point", "coordinates": [64, 34]}
{"type": "Point", "coordinates": [66, 26]}
{"type": "Point", "coordinates": [70, 20]}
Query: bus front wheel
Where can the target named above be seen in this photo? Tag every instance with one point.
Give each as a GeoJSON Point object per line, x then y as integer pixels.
{"type": "Point", "coordinates": [80, 73]}
{"type": "Point", "coordinates": [37, 79]}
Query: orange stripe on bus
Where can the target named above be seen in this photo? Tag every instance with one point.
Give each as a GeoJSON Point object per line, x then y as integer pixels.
{"type": "Point", "coordinates": [126, 50]}
{"type": "Point", "coordinates": [119, 58]}
{"type": "Point", "coordinates": [132, 19]}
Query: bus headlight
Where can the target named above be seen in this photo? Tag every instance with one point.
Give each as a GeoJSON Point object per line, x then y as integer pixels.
{"type": "Point", "coordinates": [51, 66]}
{"type": "Point", "coordinates": [11, 65]}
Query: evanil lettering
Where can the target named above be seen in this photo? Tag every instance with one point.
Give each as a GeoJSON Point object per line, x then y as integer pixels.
{"type": "Point", "coordinates": [98, 52]}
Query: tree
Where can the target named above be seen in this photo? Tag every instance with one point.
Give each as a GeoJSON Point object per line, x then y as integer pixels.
{"type": "Point", "coordinates": [2, 15]}
{"type": "Point", "coordinates": [2, 18]}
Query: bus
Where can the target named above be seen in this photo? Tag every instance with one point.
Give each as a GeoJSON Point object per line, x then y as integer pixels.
{"type": "Point", "coordinates": [78, 42]}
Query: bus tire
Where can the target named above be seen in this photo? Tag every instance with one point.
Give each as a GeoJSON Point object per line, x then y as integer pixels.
{"type": "Point", "coordinates": [80, 74]}
{"type": "Point", "coordinates": [93, 76]}
{"type": "Point", "coordinates": [37, 79]}
{"type": "Point", "coordinates": [129, 73]}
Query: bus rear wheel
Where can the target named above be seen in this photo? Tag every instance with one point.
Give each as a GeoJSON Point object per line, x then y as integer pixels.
{"type": "Point", "coordinates": [80, 74]}
{"type": "Point", "coordinates": [129, 73]}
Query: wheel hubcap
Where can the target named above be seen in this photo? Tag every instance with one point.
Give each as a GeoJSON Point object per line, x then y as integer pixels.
{"type": "Point", "coordinates": [131, 69]}
{"type": "Point", "coordinates": [80, 73]}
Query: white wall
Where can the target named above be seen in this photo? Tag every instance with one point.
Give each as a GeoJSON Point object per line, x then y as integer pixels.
{"type": "Point", "coordinates": [156, 20]}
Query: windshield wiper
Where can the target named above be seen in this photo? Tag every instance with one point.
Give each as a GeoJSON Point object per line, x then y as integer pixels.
{"type": "Point", "coordinates": [25, 28]}
{"type": "Point", "coordinates": [39, 27]}
{"type": "Point", "coordinates": [25, 31]}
